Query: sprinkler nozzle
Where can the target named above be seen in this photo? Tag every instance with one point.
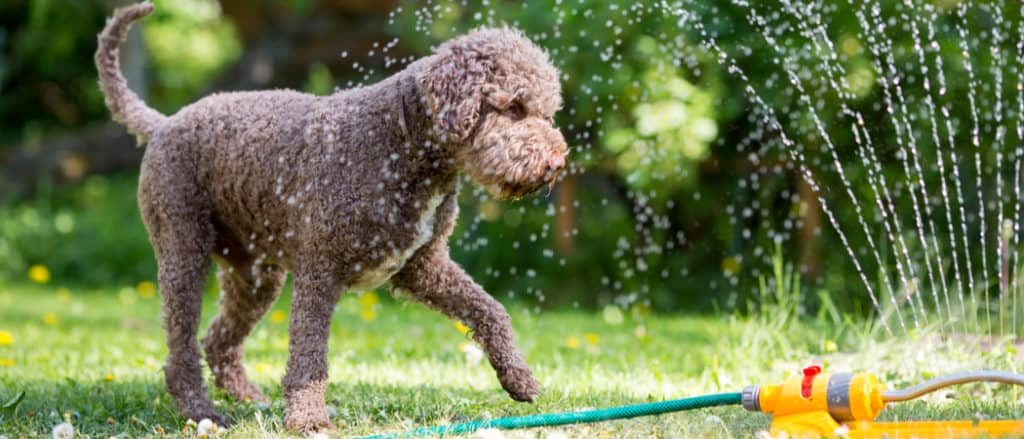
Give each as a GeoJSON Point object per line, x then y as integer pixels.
{"type": "Point", "coordinates": [817, 404]}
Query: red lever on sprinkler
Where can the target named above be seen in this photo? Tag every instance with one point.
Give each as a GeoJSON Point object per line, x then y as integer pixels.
{"type": "Point", "coordinates": [808, 383]}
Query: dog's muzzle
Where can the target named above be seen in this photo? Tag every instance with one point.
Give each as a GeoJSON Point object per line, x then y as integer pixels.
{"type": "Point", "coordinates": [518, 158]}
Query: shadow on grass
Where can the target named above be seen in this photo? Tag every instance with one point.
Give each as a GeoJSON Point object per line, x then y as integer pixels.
{"type": "Point", "coordinates": [103, 409]}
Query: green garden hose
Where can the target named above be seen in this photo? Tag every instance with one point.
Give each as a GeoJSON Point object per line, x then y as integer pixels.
{"type": "Point", "coordinates": [581, 417]}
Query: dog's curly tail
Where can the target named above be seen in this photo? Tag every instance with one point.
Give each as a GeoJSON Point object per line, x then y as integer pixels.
{"type": "Point", "coordinates": [124, 105]}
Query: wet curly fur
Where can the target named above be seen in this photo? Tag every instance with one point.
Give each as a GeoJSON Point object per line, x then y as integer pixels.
{"type": "Point", "coordinates": [346, 192]}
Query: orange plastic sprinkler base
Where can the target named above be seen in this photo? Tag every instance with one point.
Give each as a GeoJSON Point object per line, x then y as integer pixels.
{"type": "Point", "coordinates": [935, 429]}
{"type": "Point", "coordinates": [817, 404]}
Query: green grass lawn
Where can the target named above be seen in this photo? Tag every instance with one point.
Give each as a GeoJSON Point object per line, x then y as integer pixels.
{"type": "Point", "coordinates": [96, 356]}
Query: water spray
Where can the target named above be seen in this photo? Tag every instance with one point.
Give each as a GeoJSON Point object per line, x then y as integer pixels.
{"type": "Point", "coordinates": [813, 404]}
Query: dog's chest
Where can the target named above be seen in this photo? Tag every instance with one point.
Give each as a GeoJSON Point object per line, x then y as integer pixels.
{"type": "Point", "coordinates": [422, 231]}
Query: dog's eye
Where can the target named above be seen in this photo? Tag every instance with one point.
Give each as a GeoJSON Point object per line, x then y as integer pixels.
{"type": "Point", "coordinates": [518, 109]}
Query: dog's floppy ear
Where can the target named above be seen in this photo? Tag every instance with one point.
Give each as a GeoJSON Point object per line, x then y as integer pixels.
{"type": "Point", "coordinates": [453, 84]}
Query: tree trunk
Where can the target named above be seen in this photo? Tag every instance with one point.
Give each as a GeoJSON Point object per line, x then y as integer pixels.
{"type": "Point", "coordinates": [100, 148]}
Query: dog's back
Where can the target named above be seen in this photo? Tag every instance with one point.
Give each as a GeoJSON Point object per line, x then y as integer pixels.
{"type": "Point", "coordinates": [244, 148]}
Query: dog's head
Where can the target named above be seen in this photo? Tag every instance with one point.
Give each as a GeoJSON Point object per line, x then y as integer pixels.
{"type": "Point", "coordinates": [493, 94]}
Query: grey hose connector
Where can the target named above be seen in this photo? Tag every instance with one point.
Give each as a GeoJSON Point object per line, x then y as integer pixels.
{"type": "Point", "coordinates": [751, 398]}
{"type": "Point", "coordinates": [952, 380]}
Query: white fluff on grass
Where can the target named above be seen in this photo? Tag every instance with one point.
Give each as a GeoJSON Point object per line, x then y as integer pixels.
{"type": "Point", "coordinates": [489, 433]}
{"type": "Point", "coordinates": [64, 430]}
{"type": "Point", "coordinates": [318, 436]}
{"type": "Point", "coordinates": [473, 354]}
{"type": "Point", "coordinates": [557, 434]}
{"type": "Point", "coordinates": [206, 428]}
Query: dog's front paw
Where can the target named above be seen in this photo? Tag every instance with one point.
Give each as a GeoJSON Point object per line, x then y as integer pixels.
{"type": "Point", "coordinates": [307, 420]}
{"type": "Point", "coordinates": [519, 383]}
{"type": "Point", "coordinates": [305, 411]}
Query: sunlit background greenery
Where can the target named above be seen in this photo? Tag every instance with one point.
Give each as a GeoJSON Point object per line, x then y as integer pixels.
{"type": "Point", "coordinates": [664, 206]}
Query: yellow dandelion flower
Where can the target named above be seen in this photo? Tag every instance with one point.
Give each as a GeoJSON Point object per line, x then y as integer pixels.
{"type": "Point", "coordinates": [146, 289]}
{"type": "Point", "coordinates": [39, 274]}
{"type": "Point", "coordinates": [278, 316]}
{"type": "Point", "coordinates": [461, 327]}
{"type": "Point", "coordinates": [50, 319]}
{"type": "Point", "coordinates": [731, 265]}
{"type": "Point", "coordinates": [6, 362]}
{"type": "Point", "coordinates": [572, 342]}
{"type": "Point", "coordinates": [108, 377]}
{"type": "Point", "coordinates": [6, 338]}
{"type": "Point", "coordinates": [63, 294]}
{"type": "Point", "coordinates": [262, 367]}
{"type": "Point", "coordinates": [368, 314]}
{"type": "Point", "coordinates": [368, 299]}
{"type": "Point", "coordinates": [590, 338]}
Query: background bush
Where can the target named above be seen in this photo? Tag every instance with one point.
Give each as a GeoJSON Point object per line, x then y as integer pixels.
{"type": "Point", "coordinates": [664, 206]}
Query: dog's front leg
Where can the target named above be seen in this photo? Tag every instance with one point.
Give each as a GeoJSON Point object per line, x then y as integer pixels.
{"type": "Point", "coordinates": [433, 279]}
{"type": "Point", "coordinates": [305, 379]}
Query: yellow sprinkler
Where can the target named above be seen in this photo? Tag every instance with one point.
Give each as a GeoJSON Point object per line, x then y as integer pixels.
{"type": "Point", "coordinates": [820, 404]}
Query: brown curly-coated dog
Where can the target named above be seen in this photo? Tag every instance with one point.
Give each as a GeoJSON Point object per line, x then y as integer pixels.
{"type": "Point", "coordinates": [346, 192]}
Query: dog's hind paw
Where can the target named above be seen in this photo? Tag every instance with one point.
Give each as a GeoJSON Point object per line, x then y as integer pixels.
{"type": "Point", "coordinates": [247, 392]}
{"type": "Point", "coordinates": [199, 411]}
{"type": "Point", "coordinates": [239, 387]}
{"type": "Point", "coordinates": [519, 383]}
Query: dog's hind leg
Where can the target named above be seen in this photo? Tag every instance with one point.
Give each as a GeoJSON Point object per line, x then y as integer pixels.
{"type": "Point", "coordinates": [182, 236]}
{"type": "Point", "coordinates": [433, 279]}
{"type": "Point", "coordinates": [248, 289]}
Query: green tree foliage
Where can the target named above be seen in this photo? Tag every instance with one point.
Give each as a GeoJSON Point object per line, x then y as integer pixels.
{"type": "Point", "coordinates": [192, 30]}
{"type": "Point", "coordinates": [682, 192]}
{"type": "Point", "coordinates": [48, 79]}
